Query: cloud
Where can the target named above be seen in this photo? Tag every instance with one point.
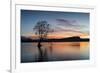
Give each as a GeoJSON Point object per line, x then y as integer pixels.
{"type": "Point", "coordinates": [63, 21]}
{"type": "Point", "coordinates": [67, 23]}
{"type": "Point", "coordinates": [65, 29]}
{"type": "Point", "coordinates": [69, 26]}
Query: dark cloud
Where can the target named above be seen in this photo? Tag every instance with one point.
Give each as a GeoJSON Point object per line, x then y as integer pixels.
{"type": "Point", "coordinates": [67, 23]}
{"type": "Point", "coordinates": [63, 20]}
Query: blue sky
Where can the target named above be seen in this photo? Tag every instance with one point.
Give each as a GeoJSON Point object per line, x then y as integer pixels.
{"type": "Point", "coordinates": [68, 23]}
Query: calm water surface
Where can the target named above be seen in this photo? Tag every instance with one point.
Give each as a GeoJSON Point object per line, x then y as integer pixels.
{"type": "Point", "coordinates": [55, 51]}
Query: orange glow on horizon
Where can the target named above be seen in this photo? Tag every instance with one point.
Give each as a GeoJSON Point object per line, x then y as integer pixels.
{"type": "Point", "coordinates": [62, 35]}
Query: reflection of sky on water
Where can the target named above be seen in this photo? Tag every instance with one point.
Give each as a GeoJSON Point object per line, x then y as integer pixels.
{"type": "Point", "coordinates": [56, 51]}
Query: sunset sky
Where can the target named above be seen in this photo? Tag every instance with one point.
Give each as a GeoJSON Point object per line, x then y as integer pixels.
{"type": "Point", "coordinates": [64, 24]}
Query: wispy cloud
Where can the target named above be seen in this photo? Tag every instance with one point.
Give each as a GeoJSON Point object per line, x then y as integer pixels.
{"type": "Point", "coordinates": [64, 29]}
{"type": "Point", "coordinates": [68, 23]}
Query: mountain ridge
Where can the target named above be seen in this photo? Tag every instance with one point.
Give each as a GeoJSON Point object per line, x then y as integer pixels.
{"type": "Point", "coordinates": [69, 39]}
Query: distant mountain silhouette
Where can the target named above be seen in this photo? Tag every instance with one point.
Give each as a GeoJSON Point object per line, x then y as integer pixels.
{"type": "Point", "coordinates": [26, 39]}
{"type": "Point", "coordinates": [69, 39]}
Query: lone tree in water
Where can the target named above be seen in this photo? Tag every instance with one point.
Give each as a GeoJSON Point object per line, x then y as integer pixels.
{"type": "Point", "coordinates": [41, 29]}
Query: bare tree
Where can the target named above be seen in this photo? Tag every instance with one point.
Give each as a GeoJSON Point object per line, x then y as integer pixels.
{"type": "Point", "coordinates": [41, 29]}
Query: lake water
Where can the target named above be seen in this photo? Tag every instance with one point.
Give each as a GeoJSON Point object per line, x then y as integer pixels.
{"type": "Point", "coordinates": [55, 51]}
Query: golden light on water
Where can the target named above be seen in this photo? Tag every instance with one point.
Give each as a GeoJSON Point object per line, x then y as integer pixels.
{"type": "Point", "coordinates": [84, 46]}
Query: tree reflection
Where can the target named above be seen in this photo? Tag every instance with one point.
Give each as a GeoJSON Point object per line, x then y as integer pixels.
{"type": "Point", "coordinates": [41, 29]}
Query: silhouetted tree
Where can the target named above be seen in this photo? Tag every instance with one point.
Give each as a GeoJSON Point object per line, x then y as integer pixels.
{"type": "Point", "coordinates": [41, 29]}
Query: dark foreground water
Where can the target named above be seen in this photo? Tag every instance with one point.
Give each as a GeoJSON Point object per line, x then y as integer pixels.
{"type": "Point", "coordinates": [55, 51]}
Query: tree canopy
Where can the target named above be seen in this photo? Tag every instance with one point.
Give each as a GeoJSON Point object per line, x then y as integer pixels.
{"type": "Point", "coordinates": [42, 28]}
